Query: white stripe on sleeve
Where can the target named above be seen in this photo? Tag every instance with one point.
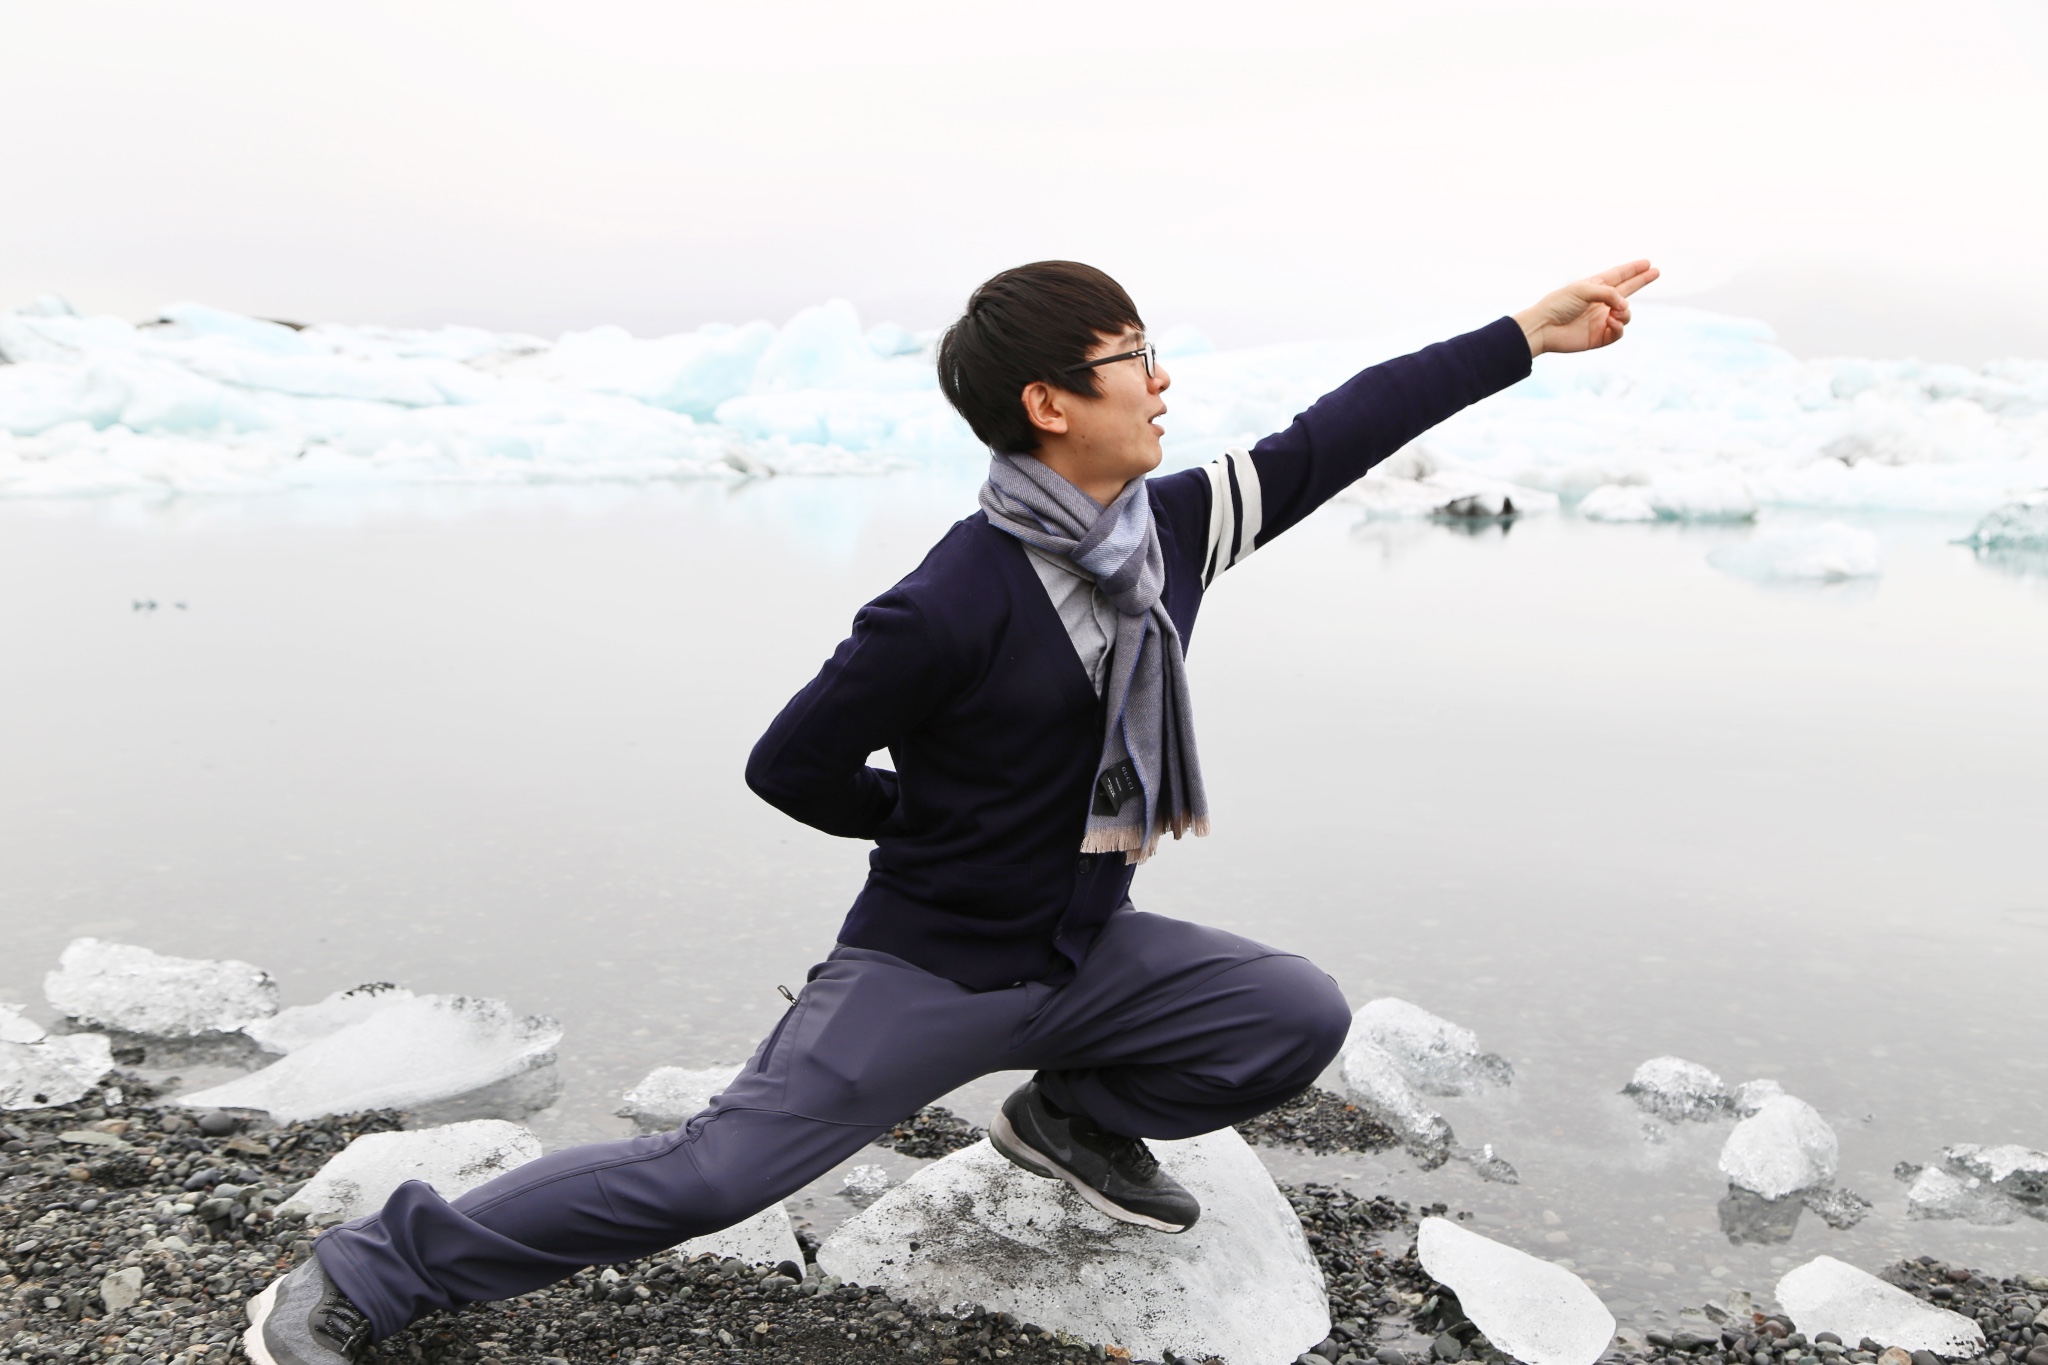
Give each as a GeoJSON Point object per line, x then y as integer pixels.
{"type": "Point", "coordinates": [1235, 513]}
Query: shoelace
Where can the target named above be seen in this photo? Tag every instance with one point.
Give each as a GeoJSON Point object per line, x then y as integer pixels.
{"type": "Point", "coordinates": [1128, 1154]}
{"type": "Point", "coordinates": [344, 1322]}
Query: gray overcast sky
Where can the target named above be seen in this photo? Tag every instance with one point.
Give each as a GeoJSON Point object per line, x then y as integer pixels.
{"type": "Point", "coordinates": [1867, 175]}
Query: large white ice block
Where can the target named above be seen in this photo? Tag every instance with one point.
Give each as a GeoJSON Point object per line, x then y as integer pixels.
{"type": "Point", "coordinates": [1827, 1295]}
{"type": "Point", "coordinates": [126, 987]}
{"type": "Point", "coordinates": [1539, 1313]}
{"type": "Point", "coordinates": [1784, 1147]}
{"type": "Point", "coordinates": [17, 1027]}
{"type": "Point", "coordinates": [428, 1051]}
{"type": "Point", "coordinates": [53, 1070]}
{"type": "Point", "coordinates": [666, 1098]}
{"type": "Point", "coordinates": [1375, 1084]}
{"type": "Point", "coordinates": [454, 1158]}
{"type": "Point", "coordinates": [295, 1026]}
{"type": "Point", "coordinates": [1436, 1055]}
{"type": "Point", "coordinates": [972, 1228]}
{"type": "Point", "coordinates": [1676, 1089]}
{"type": "Point", "coordinates": [1617, 502]}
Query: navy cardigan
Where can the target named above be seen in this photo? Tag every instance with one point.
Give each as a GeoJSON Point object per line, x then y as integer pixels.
{"type": "Point", "coordinates": [964, 673]}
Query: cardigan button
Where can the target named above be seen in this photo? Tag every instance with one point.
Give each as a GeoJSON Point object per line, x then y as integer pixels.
{"type": "Point", "coordinates": [1081, 868]}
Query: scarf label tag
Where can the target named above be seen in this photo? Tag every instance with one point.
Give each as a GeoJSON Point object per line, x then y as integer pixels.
{"type": "Point", "coordinates": [1115, 786]}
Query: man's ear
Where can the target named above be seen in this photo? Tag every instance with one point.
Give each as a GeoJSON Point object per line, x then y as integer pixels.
{"type": "Point", "coordinates": [1045, 407]}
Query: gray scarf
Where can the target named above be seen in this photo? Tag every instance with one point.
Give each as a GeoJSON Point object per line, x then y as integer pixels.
{"type": "Point", "coordinates": [1148, 747]}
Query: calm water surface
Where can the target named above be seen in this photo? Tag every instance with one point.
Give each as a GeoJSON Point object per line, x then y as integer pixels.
{"type": "Point", "coordinates": [1570, 786]}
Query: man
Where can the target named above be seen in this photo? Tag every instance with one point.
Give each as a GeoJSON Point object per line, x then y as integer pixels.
{"type": "Point", "coordinates": [1028, 680]}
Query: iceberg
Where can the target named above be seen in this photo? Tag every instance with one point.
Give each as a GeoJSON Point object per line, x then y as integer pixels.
{"type": "Point", "coordinates": [972, 1228]}
{"type": "Point", "coordinates": [292, 1028]}
{"type": "Point", "coordinates": [864, 1184]}
{"type": "Point", "coordinates": [1827, 1295]}
{"type": "Point", "coordinates": [1537, 1312]}
{"type": "Point", "coordinates": [668, 1097]}
{"type": "Point", "coordinates": [454, 1158]}
{"type": "Point", "coordinates": [1935, 1193]}
{"type": "Point", "coordinates": [133, 990]}
{"type": "Point", "coordinates": [1827, 553]}
{"type": "Point", "coordinates": [1673, 1088]}
{"type": "Point", "coordinates": [1750, 1096]}
{"type": "Point", "coordinates": [2021, 524]}
{"type": "Point", "coordinates": [1697, 417]}
{"type": "Point", "coordinates": [2019, 1173]}
{"type": "Point", "coordinates": [36, 1073]}
{"type": "Point", "coordinates": [439, 1057]}
{"type": "Point", "coordinates": [1783, 1148]}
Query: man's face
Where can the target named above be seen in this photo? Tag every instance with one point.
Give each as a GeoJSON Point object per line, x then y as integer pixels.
{"type": "Point", "coordinates": [1116, 435]}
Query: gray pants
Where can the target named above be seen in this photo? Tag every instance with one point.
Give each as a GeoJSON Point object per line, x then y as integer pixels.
{"type": "Point", "coordinates": [1168, 1030]}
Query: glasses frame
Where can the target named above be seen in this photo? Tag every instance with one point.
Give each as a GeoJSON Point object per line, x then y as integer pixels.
{"type": "Point", "coordinates": [1148, 354]}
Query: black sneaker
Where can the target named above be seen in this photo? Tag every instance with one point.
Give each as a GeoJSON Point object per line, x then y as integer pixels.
{"type": "Point", "coordinates": [1117, 1174]}
{"type": "Point", "coordinates": [303, 1319]}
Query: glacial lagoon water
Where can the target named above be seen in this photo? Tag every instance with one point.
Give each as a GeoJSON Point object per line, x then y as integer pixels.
{"type": "Point", "coordinates": [1570, 785]}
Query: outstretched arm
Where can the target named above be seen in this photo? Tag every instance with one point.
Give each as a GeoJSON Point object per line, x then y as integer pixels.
{"type": "Point", "coordinates": [1248, 500]}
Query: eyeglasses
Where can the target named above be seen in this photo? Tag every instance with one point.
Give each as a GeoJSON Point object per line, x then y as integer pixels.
{"type": "Point", "coordinates": [1148, 354]}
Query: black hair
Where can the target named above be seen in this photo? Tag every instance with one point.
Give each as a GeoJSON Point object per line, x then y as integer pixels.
{"type": "Point", "coordinates": [1031, 324]}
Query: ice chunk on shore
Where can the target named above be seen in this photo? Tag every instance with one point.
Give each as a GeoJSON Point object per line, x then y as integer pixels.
{"type": "Point", "coordinates": [1781, 1149]}
{"type": "Point", "coordinates": [1375, 1084]}
{"type": "Point", "coordinates": [52, 1070]}
{"type": "Point", "coordinates": [129, 988]}
{"type": "Point", "coordinates": [436, 1056]}
{"type": "Point", "coordinates": [1539, 1313]}
{"type": "Point", "coordinates": [1676, 1089]}
{"type": "Point", "coordinates": [1240, 1284]}
{"type": "Point", "coordinates": [1617, 502]}
{"type": "Point", "coordinates": [17, 1027]}
{"type": "Point", "coordinates": [1827, 1295]}
{"type": "Point", "coordinates": [1437, 1056]}
{"type": "Point", "coordinates": [1750, 1095]}
{"type": "Point", "coordinates": [454, 1158]}
{"type": "Point", "coordinates": [668, 1097]}
{"type": "Point", "coordinates": [1827, 553]}
{"type": "Point", "coordinates": [2021, 524]}
{"type": "Point", "coordinates": [292, 1028]}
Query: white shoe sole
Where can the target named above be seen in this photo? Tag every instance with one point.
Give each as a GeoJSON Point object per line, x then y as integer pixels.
{"type": "Point", "coordinates": [259, 1312]}
{"type": "Point", "coordinates": [1003, 1137]}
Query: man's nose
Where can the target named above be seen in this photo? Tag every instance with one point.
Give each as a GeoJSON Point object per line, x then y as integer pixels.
{"type": "Point", "coordinates": [1161, 380]}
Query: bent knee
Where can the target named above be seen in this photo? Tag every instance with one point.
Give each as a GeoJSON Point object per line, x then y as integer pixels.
{"type": "Point", "coordinates": [1307, 1009]}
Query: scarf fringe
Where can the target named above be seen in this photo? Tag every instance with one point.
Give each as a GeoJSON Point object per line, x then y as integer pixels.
{"type": "Point", "coordinates": [1125, 840]}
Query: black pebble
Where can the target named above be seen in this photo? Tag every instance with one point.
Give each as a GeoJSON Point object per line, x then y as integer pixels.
{"type": "Point", "coordinates": [214, 1123]}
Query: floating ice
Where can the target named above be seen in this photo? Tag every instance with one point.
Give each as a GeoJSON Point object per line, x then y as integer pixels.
{"type": "Point", "coordinates": [1702, 413]}
{"type": "Point", "coordinates": [971, 1227]}
{"type": "Point", "coordinates": [1827, 553]}
{"type": "Point", "coordinates": [668, 1097]}
{"type": "Point", "coordinates": [2017, 1172]}
{"type": "Point", "coordinates": [1676, 1089]}
{"type": "Point", "coordinates": [1936, 1193]}
{"type": "Point", "coordinates": [1375, 1084]}
{"type": "Point", "coordinates": [125, 987]}
{"type": "Point", "coordinates": [2021, 524]}
{"type": "Point", "coordinates": [1437, 1056]}
{"type": "Point", "coordinates": [53, 1070]}
{"type": "Point", "coordinates": [1781, 1149]}
{"type": "Point", "coordinates": [1827, 1295]}
{"type": "Point", "coordinates": [1617, 502]}
{"type": "Point", "coordinates": [454, 1158]}
{"type": "Point", "coordinates": [1456, 493]}
{"type": "Point", "coordinates": [1539, 1313]}
{"type": "Point", "coordinates": [436, 1056]}
{"type": "Point", "coordinates": [292, 1028]}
